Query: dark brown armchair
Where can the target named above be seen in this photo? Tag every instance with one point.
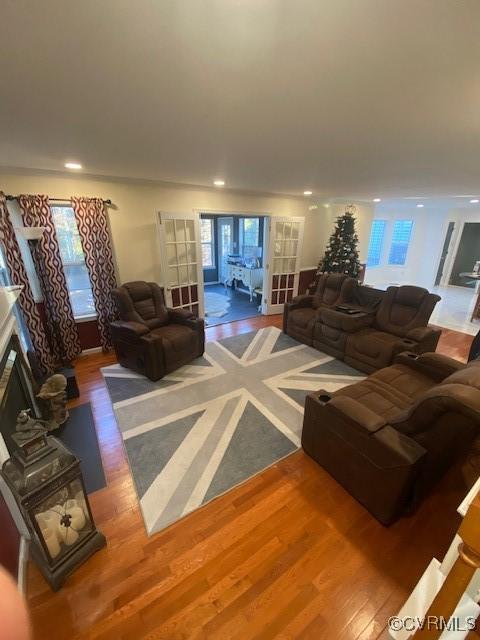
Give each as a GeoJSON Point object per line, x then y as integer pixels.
{"type": "Point", "coordinates": [150, 338]}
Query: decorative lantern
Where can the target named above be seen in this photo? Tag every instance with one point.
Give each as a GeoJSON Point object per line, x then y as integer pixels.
{"type": "Point", "coordinates": [46, 481]}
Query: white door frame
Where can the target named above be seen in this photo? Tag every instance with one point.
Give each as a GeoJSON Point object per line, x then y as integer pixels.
{"type": "Point", "coordinates": [269, 306]}
{"type": "Point", "coordinates": [220, 222]}
{"type": "Point", "coordinates": [188, 290]}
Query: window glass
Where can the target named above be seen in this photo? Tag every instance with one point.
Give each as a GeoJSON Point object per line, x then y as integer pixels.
{"type": "Point", "coordinates": [207, 239]}
{"type": "Point", "coordinates": [73, 259]}
{"type": "Point", "coordinates": [375, 244]}
{"type": "Point", "coordinates": [402, 231]}
{"type": "Point", "coordinates": [249, 234]}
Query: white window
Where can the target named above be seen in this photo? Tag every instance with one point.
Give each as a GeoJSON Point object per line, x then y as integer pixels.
{"type": "Point", "coordinates": [208, 238]}
{"type": "Point", "coordinates": [402, 231]}
{"type": "Point", "coordinates": [249, 235]}
{"type": "Point", "coordinates": [375, 244]}
{"type": "Point", "coordinates": [73, 259]}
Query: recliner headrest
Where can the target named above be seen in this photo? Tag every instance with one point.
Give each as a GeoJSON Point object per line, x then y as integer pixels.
{"type": "Point", "coordinates": [409, 295]}
{"type": "Point", "coordinates": [138, 290]}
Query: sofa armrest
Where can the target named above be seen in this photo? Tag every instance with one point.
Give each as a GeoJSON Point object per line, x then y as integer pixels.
{"type": "Point", "coordinates": [177, 316]}
{"type": "Point", "coordinates": [129, 327]}
{"type": "Point", "coordinates": [356, 412]}
{"type": "Point", "coordinates": [434, 365]}
{"type": "Point", "coordinates": [426, 338]}
{"type": "Point", "coordinates": [304, 300]}
{"type": "Point", "coordinates": [183, 316]}
{"type": "Point", "coordinates": [344, 321]}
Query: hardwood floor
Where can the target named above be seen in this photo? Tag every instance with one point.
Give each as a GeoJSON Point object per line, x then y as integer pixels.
{"type": "Point", "coordinates": [288, 554]}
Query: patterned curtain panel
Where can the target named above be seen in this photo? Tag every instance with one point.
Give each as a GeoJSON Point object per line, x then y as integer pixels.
{"type": "Point", "coordinates": [91, 217]}
{"type": "Point", "coordinates": [18, 276]}
{"type": "Point", "coordinates": [65, 340]}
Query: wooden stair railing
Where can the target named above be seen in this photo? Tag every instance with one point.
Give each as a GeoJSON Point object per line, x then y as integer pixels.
{"type": "Point", "coordinates": [458, 578]}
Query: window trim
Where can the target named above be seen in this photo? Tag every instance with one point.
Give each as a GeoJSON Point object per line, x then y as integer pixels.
{"type": "Point", "coordinates": [213, 266]}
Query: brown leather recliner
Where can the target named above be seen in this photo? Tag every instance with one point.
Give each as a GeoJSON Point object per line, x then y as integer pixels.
{"type": "Point", "coordinates": [399, 324]}
{"type": "Point", "coordinates": [388, 438]}
{"type": "Point", "coordinates": [151, 338]}
{"type": "Point", "coordinates": [300, 315]}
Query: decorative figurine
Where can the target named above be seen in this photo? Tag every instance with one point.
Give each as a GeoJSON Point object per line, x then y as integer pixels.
{"type": "Point", "coordinates": [54, 401]}
{"type": "Point", "coordinates": [27, 427]}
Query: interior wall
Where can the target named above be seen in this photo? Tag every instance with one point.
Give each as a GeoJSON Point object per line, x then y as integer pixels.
{"type": "Point", "coordinates": [132, 218]}
{"type": "Point", "coordinates": [423, 255]}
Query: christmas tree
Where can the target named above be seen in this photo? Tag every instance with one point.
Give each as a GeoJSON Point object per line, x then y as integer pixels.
{"type": "Point", "coordinates": [341, 254]}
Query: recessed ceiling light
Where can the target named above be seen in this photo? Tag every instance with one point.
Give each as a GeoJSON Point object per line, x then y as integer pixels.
{"type": "Point", "coordinates": [377, 199]}
{"type": "Point", "coordinates": [420, 206]}
{"type": "Point", "coordinates": [474, 201]}
{"type": "Point", "coordinates": [307, 193]}
{"type": "Point", "coordinates": [313, 207]}
{"type": "Point", "coordinates": [73, 165]}
{"type": "Point", "coordinates": [219, 183]}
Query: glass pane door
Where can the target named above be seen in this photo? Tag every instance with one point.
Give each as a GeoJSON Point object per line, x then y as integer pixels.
{"type": "Point", "coordinates": [180, 253]}
{"type": "Point", "coordinates": [285, 245]}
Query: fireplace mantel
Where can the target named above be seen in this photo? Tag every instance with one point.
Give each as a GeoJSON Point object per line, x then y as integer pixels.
{"type": "Point", "coordinates": [10, 516]}
{"type": "Point", "coordinates": [8, 324]}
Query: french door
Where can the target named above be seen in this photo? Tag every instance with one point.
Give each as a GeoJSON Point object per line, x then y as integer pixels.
{"type": "Point", "coordinates": [225, 246]}
{"type": "Point", "coordinates": [284, 241]}
{"type": "Point", "coordinates": [181, 260]}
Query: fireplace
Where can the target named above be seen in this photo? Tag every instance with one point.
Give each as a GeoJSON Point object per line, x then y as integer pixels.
{"type": "Point", "coordinates": [16, 391]}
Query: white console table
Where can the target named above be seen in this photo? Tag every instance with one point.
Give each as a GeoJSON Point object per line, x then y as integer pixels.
{"type": "Point", "coordinates": [251, 278]}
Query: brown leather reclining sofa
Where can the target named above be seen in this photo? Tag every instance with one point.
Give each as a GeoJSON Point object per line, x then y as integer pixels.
{"type": "Point", "coordinates": [151, 338]}
{"type": "Point", "coordinates": [374, 326]}
{"type": "Point", "coordinates": [387, 438]}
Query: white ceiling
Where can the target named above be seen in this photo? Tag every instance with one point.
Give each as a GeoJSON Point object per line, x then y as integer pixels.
{"type": "Point", "coordinates": [351, 98]}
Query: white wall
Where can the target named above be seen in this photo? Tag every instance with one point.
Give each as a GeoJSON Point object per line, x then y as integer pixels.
{"type": "Point", "coordinates": [429, 228]}
{"type": "Point", "coordinates": [132, 219]}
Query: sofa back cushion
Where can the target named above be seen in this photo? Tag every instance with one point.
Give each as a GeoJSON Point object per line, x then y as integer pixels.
{"type": "Point", "coordinates": [142, 302]}
{"type": "Point", "coordinates": [405, 308]}
{"type": "Point", "coordinates": [333, 289]}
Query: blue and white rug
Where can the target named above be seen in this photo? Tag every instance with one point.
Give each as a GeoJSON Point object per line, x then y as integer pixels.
{"type": "Point", "coordinates": [213, 424]}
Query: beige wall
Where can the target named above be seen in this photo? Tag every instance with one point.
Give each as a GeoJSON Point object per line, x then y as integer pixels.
{"type": "Point", "coordinates": [132, 219]}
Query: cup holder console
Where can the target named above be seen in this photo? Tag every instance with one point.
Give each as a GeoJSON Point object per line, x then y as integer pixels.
{"type": "Point", "coordinates": [324, 398]}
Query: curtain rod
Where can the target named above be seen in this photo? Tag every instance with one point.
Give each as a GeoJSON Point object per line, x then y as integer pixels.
{"type": "Point", "coordinates": [69, 200]}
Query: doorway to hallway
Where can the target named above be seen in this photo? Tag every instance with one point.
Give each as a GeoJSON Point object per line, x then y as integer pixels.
{"type": "Point", "coordinates": [232, 260]}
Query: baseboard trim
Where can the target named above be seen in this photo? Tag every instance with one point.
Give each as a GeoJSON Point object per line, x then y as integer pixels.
{"type": "Point", "coordinates": [22, 565]}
